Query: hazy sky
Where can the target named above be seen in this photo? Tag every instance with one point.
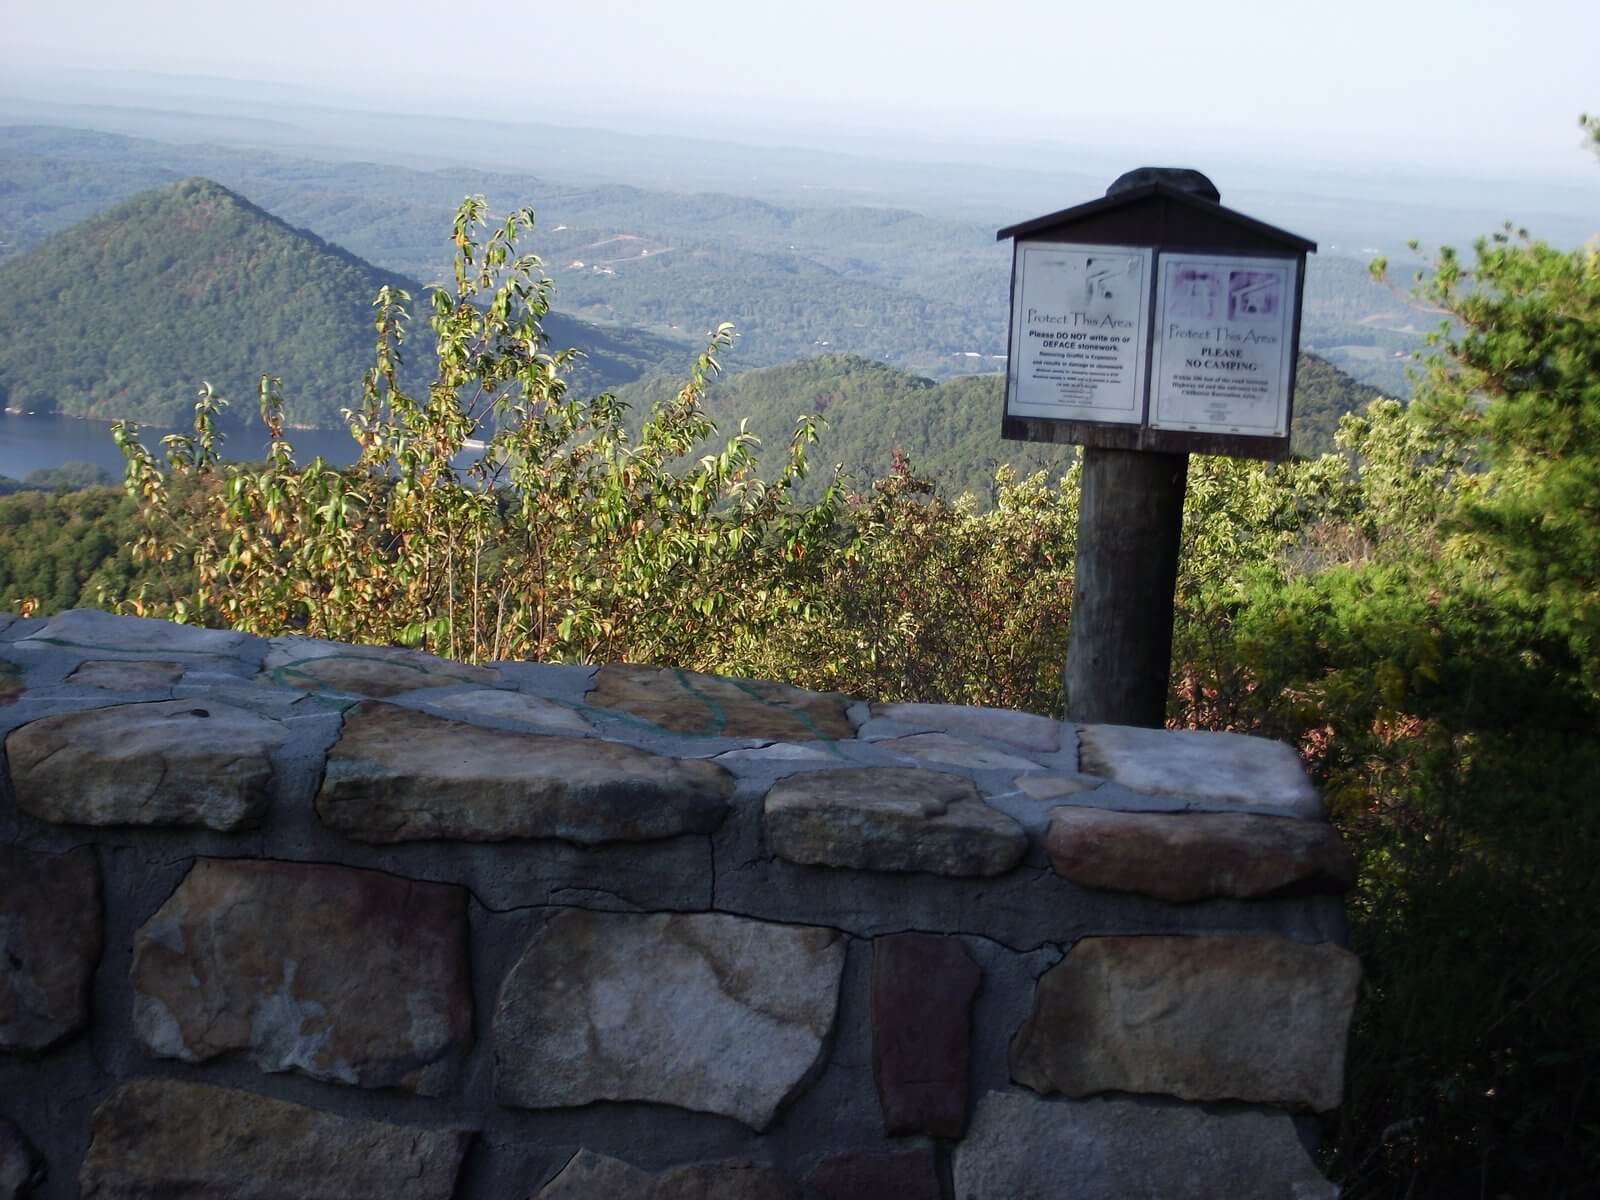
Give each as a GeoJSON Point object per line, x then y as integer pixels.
{"type": "Point", "coordinates": [1494, 87]}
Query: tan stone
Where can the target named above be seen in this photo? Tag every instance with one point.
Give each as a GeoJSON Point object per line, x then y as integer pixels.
{"type": "Point", "coordinates": [363, 670]}
{"type": "Point", "coordinates": [51, 931]}
{"type": "Point", "coordinates": [398, 775]}
{"type": "Point", "coordinates": [714, 705]}
{"type": "Point", "coordinates": [1260, 1019]}
{"type": "Point", "coordinates": [166, 1138]}
{"type": "Point", "coordinates": [891, 819]}
{"type": "Point", "coordinates": [590, 1176]}
{"type": "Point", "coordinates": [704, 1011]}
{"type": "Point", "coordinates": [352, 976]}
{"type": "Point", "coordinates": [1194, 856]}
{"type": "Point", "coordinates": [175, 762]}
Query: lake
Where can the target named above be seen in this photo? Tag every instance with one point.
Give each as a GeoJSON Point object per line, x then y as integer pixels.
{"type": "Point", "coordinates": [28, 443]}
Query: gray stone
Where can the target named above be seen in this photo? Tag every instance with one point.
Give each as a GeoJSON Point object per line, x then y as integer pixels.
{"type": "Point", "coordinates": [1023, 1148]}
{"type": "Point", "coordinates": [90, 628]}
{"type": "Point", "coordinates": [922, 992]}
{"type": "Point", "coordinates": [590, 1176]}
{"type": "Point", "coordinates": [900, 1173]}
{"type": "Point", "coordinates": [1225, 771]}
{"type": "Point", "coordinates": [514, 708]}
{"type": "Point", "coordinates": [398, 775]}
{"type": "Point", "coordinates": [380, 671]}
{"type": "Point", "coordinates": [703, 1011]}
{"type": "Point", "coordinates": [1260, 1019]}
{"type": "Point", "coordinates": [174, 762]}
{"type": "Point", "coordinates": [259, 698]}
{"type": "Point", "coordinates": [719, 706]}
{"type": "Point", "coordinates": [943, 749]}
{"type": "Point", "coordinates": [127, 674]}
{"type": "Point", "coordinates": [1183, 857]}
{"type": "Point", "coordinates": [165, 1138]}
{"type": "Point", "coordinates": [51, 930]}
{"type": "Point", "coordinates": [777, 753]}
{"type": "Point", "coordinates": [352, 976]}
{"type": "Point", "coordinates": [1027, 730]}
{"type": "Point", "coordinates": [891, 819]}
{"type": "Point", "coordinates": [21, 1168]}
{"type": "Point", "coordinates": [877, 729]}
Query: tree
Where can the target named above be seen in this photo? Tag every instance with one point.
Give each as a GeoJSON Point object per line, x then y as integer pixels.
{"type": "Point", "coordinates": [1517, 377]}
{"type": "Point", "coordinates": [563, 537]}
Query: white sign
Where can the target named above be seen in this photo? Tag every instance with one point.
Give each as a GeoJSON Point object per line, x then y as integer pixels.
{"type": "Point", "coordinates": [1224, 344]}
{"type": "Point", "coordinates": [1079, 332]}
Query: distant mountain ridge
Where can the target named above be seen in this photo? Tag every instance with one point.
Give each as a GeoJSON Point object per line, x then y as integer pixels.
{"type": "Point", "coordinates": [950, 430]}
{"type": "Point", "coordinates": [125, 314]}
{"type": "Point", "coordinates": [924, 293]}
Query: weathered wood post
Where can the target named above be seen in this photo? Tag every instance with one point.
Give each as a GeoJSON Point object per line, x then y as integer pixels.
{"type": "Point", "coordinates": [1130, 521]}
{"type": "Point", "coordinates": [1145, 326]}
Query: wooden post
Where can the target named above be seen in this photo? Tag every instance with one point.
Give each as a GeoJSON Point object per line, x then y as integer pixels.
{"type": "Point", "coordinates": [1131, 375]}
{"type": "Point", "coordinates": [1130, 522]}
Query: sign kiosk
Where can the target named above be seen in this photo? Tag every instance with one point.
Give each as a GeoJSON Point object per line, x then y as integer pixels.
{"type": "Point", "coordinates": [1146, 326]}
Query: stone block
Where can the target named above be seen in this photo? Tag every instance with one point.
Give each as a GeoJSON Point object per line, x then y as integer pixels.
{"type": "Point", "coordinates": [514, 708]}
{"type": "Point", "coordinates": [944, 750]}
{"type": "Point", "coordinates": [167, 1138]}
{"type": "Point", "coordinates": [398, 775]}
{"type": "Point", "coordinates": [717, 706]}
{"type": "Point", "coordinates": [1259, 1019]}
{"type": "Point", "coordinates": [175, 762]}
{"type": "Point", "coordinates": [127, 674]}
{"type": "Point", "coordinates": [1053, 785]}
{"type": "Point", "coordinates": [1223, 771]}
{"type": "Point", "coordinates": [379, 671]}
{"type": "Point", "coordinates": [590, 1176]}
{"type": "Point", "coordinates": [94, 629]}
{"type": "Point", "coordinates": [891, 819]}
{"type": "Point", "coordinates": [922, 992]}
{"type": "Point", "coordinates": [1022, 1147]}
{"type": "Point", "coordinates": [352, 976]}
{"type": "Point", "coordinates": [1183, 857]}
{"type": "Point", "coordinates": [703, 1011]}
{"type": "Point", "coordinates": [51, 930]}
{"type": "Point", "coordinates": [778, 754]}
{"type": "Point", "coordinates": [1027, 730]}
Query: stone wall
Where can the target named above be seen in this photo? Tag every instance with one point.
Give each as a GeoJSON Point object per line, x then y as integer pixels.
{"type": "Point", "coordinates": [297, 919]}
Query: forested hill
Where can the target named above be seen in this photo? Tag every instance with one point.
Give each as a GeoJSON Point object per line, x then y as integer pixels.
{"type": "Point", "coordinates": [950, 430]}
{"type": "Point", "coordinates": [124, 315]}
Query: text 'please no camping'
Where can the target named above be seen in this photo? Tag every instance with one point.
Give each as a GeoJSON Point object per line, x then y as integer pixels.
{"type": "Point", "coordinates": [1225, 345]}
{"type": "Point", "coordinates": [1218, 340]}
